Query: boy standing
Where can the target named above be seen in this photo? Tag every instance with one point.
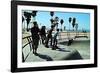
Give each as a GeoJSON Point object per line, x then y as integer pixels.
{"type": "Point", "coordinates": [55, 40]}
{"type": "Point", "coordinates": [35, 37]}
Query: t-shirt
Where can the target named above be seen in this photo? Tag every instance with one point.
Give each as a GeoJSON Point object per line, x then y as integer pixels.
{"type": "Point", "coordinates": [55, 35]}
{"type": "Point", "coordinates": [34, 31]}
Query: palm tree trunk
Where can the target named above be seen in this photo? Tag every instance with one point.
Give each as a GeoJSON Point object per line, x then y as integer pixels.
{"type": "Point", "coordinates": [61, 27]}
{"type": "Point", "coordinates": [69, 32]}
{"type": "Point", "coordinates": [27, 27]}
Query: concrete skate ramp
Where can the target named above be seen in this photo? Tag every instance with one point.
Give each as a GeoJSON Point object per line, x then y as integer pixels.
{"type": "Point", "coordinates": [47, 54]}
{"type": "Point", "coordinates": [74, 55]}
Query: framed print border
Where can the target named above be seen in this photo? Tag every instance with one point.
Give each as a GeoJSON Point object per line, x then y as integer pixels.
{"type": "Point", "coordinates": [14, 34]}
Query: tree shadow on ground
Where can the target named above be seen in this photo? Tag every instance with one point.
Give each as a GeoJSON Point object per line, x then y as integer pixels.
{"type": "Point", "coordinates": [75, 55]}
{"type": "Point", "coordinates": [46, 57]}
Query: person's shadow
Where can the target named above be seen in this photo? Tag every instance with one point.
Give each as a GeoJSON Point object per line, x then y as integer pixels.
{"type": "Point", "coordinates": [62, 50]}
{"type": "Point", "coordinates": [46, 57]}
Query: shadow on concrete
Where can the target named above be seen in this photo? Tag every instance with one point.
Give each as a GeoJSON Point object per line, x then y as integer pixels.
{"type": "Point", "coordinates": [16, 72]}
{"type": "Point", "coordinates": [64, 43]}
{"type": "Point", "coordinates": [46, 57]}
{"type": "Point", "coordinates": [75, 55]}
{"type": "Point", "coordinates": [62, 50]}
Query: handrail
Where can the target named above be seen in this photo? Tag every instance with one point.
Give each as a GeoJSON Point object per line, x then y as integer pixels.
{"type": "Point", "coordinates": [29, 40]}
{"type": "Point", "coordinates": [26, 37]}
{"type": "Point", "coordinates": [30, 44]}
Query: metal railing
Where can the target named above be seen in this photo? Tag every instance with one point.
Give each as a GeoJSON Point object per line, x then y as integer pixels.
{"type": "Point", "coordinates": [29, 39]}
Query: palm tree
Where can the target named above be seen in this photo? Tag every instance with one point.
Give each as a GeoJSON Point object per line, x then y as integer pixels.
{"type": "Point", "coordinates": [23, 24]}
{"type": "Point", "coordinates": [61, 21]}
{"type": "Point", "coordinates": [51, 21]}
{"type": "Point", "coordinates": [34, 13]}
{"type": "Point", "coordinates": [56, 22]}
{"type": "Point", "coordinates": [64, 28]}
{"type": "Point", "coordinates": [73, 23]}
{"type": "Point", "coordinates": [52, 13]}
{"type": "Point", "coordinates": [76, 28]}
{"type": "Point", "coordinates": [22, 19]}
{"type": "Point", "coordinates": [28, 18]}
{"type": "Point", "coordinates": [70, 20]}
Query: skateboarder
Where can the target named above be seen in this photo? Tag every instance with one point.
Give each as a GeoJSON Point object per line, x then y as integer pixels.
{"type": "Point", "coordinates": [49, 37]}
{"type": "Point", "coordinates": [55, 40]}
{"type": "Point", "coordinates": [35, 37]}
{"type": "Point", "coordinates": [43, 34]}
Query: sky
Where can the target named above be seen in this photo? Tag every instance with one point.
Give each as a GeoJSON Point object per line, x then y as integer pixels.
{"type": "Point", "coordinates": [83, 19]}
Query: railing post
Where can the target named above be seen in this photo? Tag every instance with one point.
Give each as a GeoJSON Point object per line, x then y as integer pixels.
{"type": "Point", "coordinates": [28, 38]}
{"type": "Point", "coordinates": [23, 57]}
